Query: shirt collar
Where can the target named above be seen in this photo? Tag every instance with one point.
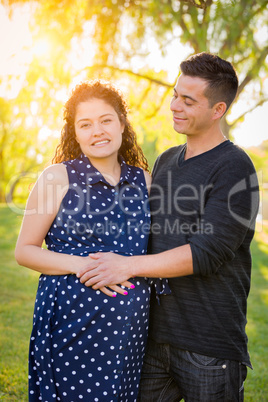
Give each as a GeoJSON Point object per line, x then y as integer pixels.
{"type": "Point", "coordinates": [93, 176]}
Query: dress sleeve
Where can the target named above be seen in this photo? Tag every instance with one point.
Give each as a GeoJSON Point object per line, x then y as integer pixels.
{"type": "Point", "coordinates": [228, 217]}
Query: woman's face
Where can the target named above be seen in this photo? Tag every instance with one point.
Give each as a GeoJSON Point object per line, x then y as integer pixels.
{"type": "Point", "coordinates": [98, 129]}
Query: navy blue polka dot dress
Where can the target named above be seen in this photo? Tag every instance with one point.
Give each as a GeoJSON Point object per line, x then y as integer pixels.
{"type": "Point", "coordinates": [85, 345]}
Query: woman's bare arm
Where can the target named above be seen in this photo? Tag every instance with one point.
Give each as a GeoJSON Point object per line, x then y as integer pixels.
{"type": "Point", "coordinates": [41, 209]}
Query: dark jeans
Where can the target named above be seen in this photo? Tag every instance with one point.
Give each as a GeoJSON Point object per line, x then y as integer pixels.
{"type": "Point", "coordinates": [170, 375]}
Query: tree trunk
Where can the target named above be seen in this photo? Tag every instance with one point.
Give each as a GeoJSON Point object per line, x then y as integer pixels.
{"type": "Point", "coordinates": [9, 195]}
{"type": "Point", "coordinates": [225, 127]}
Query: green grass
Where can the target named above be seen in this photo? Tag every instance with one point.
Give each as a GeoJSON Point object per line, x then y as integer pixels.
{"type": "Point", "coordinates": [256, 386]}
{"type": "Point", "coordinates": [17, 294]}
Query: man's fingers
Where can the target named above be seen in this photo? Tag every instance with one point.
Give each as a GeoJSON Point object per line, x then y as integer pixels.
{"type": "Point", "coordinates": [86, 270]}
{"type": "Point", "coordinates": [88, 279]}
{"type": "Point", "coordinates": [95, 256]}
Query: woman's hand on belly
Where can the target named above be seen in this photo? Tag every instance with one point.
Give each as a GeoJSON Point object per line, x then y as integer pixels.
{"type": "Point", "coordinates": [105, 271]}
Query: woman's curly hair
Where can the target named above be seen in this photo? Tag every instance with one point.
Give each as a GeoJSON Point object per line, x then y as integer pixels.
{"type": "Point", "coordinates": [69, 148]}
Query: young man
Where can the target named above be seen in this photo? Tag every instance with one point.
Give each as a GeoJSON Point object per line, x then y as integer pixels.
{"type": "Point", "coordinates": [204, 202]}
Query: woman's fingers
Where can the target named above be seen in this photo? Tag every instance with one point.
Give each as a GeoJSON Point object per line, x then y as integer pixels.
{"type": "Point", "coordinates": [120, 290]}
{"type": "Point", "coordinates": [113, 290]}
{"type": "Point", "coordinates": [128, 284]}
{"type": "Point", "coordinates": [107, 292]}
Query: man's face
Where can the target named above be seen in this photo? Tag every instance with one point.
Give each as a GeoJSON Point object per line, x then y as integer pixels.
{"type": "Point", "coordinates": [192, 114]}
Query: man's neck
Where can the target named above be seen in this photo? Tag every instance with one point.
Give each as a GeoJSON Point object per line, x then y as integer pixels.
{"type": "Point", "coordinates": [197, 146]}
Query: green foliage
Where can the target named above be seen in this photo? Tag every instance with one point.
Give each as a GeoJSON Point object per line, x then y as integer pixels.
{"type": "Point", "coordinates": [259, 157]}
{"type": "Point", "coordinates": [118, 32]}
{"type": "Point", "coordinates": [21, 150]}
{"type": "Point", "coordinates": [30, 126]}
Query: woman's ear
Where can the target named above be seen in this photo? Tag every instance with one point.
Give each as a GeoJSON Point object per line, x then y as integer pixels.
{"type": "Point", "coordinates": [123, 123]}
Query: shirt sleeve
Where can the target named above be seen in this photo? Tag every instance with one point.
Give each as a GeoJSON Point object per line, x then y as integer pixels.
{"type": "Point", "coordinates": [228, 217]}
{"type": "Point", "coordinates": [155, 165]}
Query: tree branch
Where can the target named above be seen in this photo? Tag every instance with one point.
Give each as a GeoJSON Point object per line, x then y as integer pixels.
{"type": "Point", "coordinates": [197, 3]}
{"type": "Point", "coordinates": [185, 31]}
{"type": "Point", "coordinates": [260, 103]}
{"type": "Point", "coordinates": [205, 14]}
{"type": "Point", "coordinates": [157, 108]}
{"type": "Point", "coordinates": [143, 76]}
{"type": "Point", "coordinates": [260, 9]}
{"type": "Point", "coordinates": [145, 94]}
{"type": "Point", "coordinates": [257, 65]}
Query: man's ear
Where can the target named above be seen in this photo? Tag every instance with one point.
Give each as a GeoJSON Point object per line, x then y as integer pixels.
{"type": "Point", "coordinates": [219, 110]}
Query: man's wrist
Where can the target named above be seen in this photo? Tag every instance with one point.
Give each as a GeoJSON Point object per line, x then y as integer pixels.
{"type": "Point", "coordinates": [131, 267]}
{"type": "Point", "coordinates": [135, 265]}
{"type": "Point", "coordinates": [76, 264]}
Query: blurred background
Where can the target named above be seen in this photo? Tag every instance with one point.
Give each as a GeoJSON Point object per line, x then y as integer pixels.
{"type": "Point", "coordinates": [47, 47]}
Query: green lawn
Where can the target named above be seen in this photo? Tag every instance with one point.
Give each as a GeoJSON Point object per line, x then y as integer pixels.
{"type": "Point", "coordinates": [17, 294]}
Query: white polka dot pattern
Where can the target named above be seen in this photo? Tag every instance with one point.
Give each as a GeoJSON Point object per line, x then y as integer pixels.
{"type": "Point", "coordinates": [85, 345]}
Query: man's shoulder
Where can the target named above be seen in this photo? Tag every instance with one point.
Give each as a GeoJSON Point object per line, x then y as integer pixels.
{"type": "Point", "coordinates": [172, 152]}
{"type": "Point", "coordinates": [233, 154]}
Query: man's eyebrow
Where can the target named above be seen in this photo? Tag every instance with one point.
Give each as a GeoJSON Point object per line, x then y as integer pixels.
{"type": "Point", "coordinates": [188, 97]}
{"type": "Point", "coordinates": [185, 96]}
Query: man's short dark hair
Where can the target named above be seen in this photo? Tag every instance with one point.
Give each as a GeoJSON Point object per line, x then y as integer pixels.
{"type": "Point", "coordinates": [219, 74]}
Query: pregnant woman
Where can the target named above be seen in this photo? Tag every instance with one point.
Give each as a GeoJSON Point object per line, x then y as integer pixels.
{"type": "Point", "coordinates": [84, 344]}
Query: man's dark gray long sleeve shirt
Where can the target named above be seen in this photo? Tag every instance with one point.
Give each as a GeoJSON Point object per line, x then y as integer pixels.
{"type": "Point", "coordinates": [209, 202]}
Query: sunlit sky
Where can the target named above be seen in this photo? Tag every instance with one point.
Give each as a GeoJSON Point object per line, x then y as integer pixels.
{"type": "Point", "coordinates": [17, 49]}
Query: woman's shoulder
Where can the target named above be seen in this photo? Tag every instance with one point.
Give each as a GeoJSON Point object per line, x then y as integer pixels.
{"type": "Point", "coordinates": [137, 173]}
{"type": "Point", "coordinates": [148, 178]}
{"type": "Point", "coordinates": [55, 174]}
